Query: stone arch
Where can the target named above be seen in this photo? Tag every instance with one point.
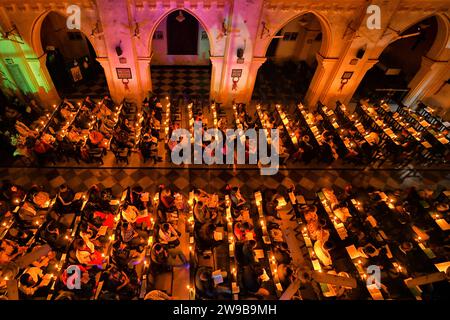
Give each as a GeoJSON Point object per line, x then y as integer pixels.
{"type": "Point", "coordinates": [325, 28]}
{"type": "Point", "coordinates": [36, 44]}
{"type": "Point", "coordinates": [35, 37]}
{"type": "Point", "coordinates": [166, 14]}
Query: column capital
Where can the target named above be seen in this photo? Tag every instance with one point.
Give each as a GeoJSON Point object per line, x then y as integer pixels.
{"type": "Point", "coordinates": [41, 58]}
{"type": "Point", "coordinates": [149, 58]}
{"type": "Point", "coordinates": [321, 60]}
{"type": "Point", "coordinates": [429, 62]}
{"type": "Point", "coordinates": [258, 61]}
{"type": "Point", "coordinates": [216, 59]}
{"type": "Point", "coordinates": [370, 63]}
{"type": "Point", "coordinates": [102, 60]}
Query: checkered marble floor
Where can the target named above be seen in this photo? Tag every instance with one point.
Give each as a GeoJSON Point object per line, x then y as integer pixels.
{"type": "Point", "coordinates": [193, 82]}
{"type": "Point", "coordinates": [96, 88]}
{"type": "Point", "coordinates": [214, 180]}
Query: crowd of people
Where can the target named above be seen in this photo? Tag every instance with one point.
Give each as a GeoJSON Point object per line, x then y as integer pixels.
{"type": "Point", "coordinates": [369, 136]}
{"type": "Point", "coordinates": [112, 242]}
{"type": "Point", "coordinates": [117, 242]}
{"type": "Point", "coordinates": [79, 131]}
{"type": "Point", "coordinates": [88, 130]}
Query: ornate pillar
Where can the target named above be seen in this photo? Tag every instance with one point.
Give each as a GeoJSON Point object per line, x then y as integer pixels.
{"type": "Point", "coordinates": [321, 80]}
{"type": "Point", "coordinates": [347, 92]}
{"type": "Point", "coordinates": [109, 75]}
{"type": "Point", "coordinates": [46, 91]}
{"type": "Point", "coordinates": [216, 78]}
{"type": "Point", "coordinates": [251, 79]}
{"type": "Point", "coordinates": [431, 74]}
{"type": "Point", "coordinates": [145, 74]}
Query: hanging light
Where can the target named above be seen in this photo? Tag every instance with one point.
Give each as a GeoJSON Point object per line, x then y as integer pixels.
{"type": "Point", "coordinates": [180, 18]}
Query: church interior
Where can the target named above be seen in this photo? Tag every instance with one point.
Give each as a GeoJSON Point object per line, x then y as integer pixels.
{"type": "Point", "coordinates": [137, 137]}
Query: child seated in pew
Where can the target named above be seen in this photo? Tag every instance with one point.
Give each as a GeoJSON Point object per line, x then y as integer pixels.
{"type": "Point", "coordinates": [98, 219]}
{"type": "Point", "coordinates": [210, 200]}
{"type": "Point", "coordinates": [130, 213]}
{"type": "Point", "coordinates": [140, 200]}
{"type": "Point", "coordinates": [92, 238]}
{"type": "Point", "coordinates": [271, 204]}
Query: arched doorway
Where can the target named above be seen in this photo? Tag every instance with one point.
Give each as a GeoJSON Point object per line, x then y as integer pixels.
{"type": "Point", "coordinates": [291, 61]}
{"type": "Point", "coordinates": [71, 60]}
{"type": "Point", "coordinates": [399, 63]}
{"type": "Point", "coordinates": [180, 64]}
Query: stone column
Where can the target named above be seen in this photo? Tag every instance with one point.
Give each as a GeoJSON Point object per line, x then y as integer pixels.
{"type": "Point", "coordinates": [350, 88]}
{"type": "Point", "coordinates": [46, 91]}
{"type": "Point", "coordinates": [216, 78]}
{"type": "Point", "coordinates": [109, 75]}
{"type": "Point", "coordinates": [114, 17]}
{"type": "Point", "coordinates": [431, 74]}
{"type": "Point", "coordinates": [251, 79]}
{"type": "Point", "coordinates": [145, 74]}
{"type": "Point", "coordinates": [321, 80]}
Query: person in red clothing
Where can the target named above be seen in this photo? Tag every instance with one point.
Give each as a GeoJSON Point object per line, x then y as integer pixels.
{"type": "Point", "coordinates": [86, 254]}
{"type": "Point", "coordinates": [244, 231]}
